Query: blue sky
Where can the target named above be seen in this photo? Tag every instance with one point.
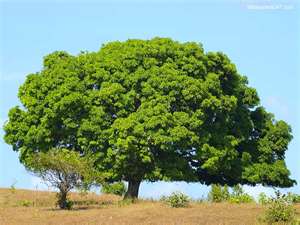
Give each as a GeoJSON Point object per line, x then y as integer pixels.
{"type": "Point", "coordinates": [260, 37]}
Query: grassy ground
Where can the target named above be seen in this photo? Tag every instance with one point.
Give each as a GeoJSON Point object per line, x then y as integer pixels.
{"type": "Point", "coordinates": [25, 207]}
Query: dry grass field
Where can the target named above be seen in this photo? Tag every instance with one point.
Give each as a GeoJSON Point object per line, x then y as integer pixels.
{"type": "Point", "coordinates": [24, 207]}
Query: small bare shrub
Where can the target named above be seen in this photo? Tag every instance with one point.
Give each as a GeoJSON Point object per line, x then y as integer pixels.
{"type": "Point", "coordinates": [13, 187]}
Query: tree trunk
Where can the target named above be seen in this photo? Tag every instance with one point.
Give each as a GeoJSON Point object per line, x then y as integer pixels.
{"type": "Point", "coordinates": [133, 189]}
{"type": "Point", "coordinates": [62, 199]}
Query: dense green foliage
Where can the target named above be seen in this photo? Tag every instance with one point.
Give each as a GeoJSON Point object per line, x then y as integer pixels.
{"type": "Point", "coordinates": [117, 188]}
{"type": "Point", "coordinates": [64, 170]}
{"type": "Point", "coordinates": [152, 110]}
{"type": "Point", "coordinates": [176, 200]}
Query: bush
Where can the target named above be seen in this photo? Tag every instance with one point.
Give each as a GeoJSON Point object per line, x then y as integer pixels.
{"type": "Point", "coordinates": [263, 199]}
{"type": "Point", "coordinates": [221, 194]}
{"type": "Point", "coordinates": [69, 204]}
{"type": "Point", "coordinates": [239, 196]}
{"type": "Point", "coordinates": [177, 200]}
{"type": "Point", "coordinates": [218, 193]}
{"type": "Point", "coordinates": [244, 198]}
{"type": "Point", "coordinates": [279, 210]}
{"type": "Point", "coordinates": [292, 198]}
{"type": "Point", "coordinates": [117, 188]}
{"type": "Point", "coordinates": [25, 203]}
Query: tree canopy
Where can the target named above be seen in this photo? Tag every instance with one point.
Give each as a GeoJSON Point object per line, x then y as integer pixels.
{"type": "Point", "coordinates": [152, 110]}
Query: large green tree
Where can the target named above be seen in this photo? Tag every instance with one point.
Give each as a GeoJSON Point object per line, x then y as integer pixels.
{"type": "Point", "coordinates": [152, 110]}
